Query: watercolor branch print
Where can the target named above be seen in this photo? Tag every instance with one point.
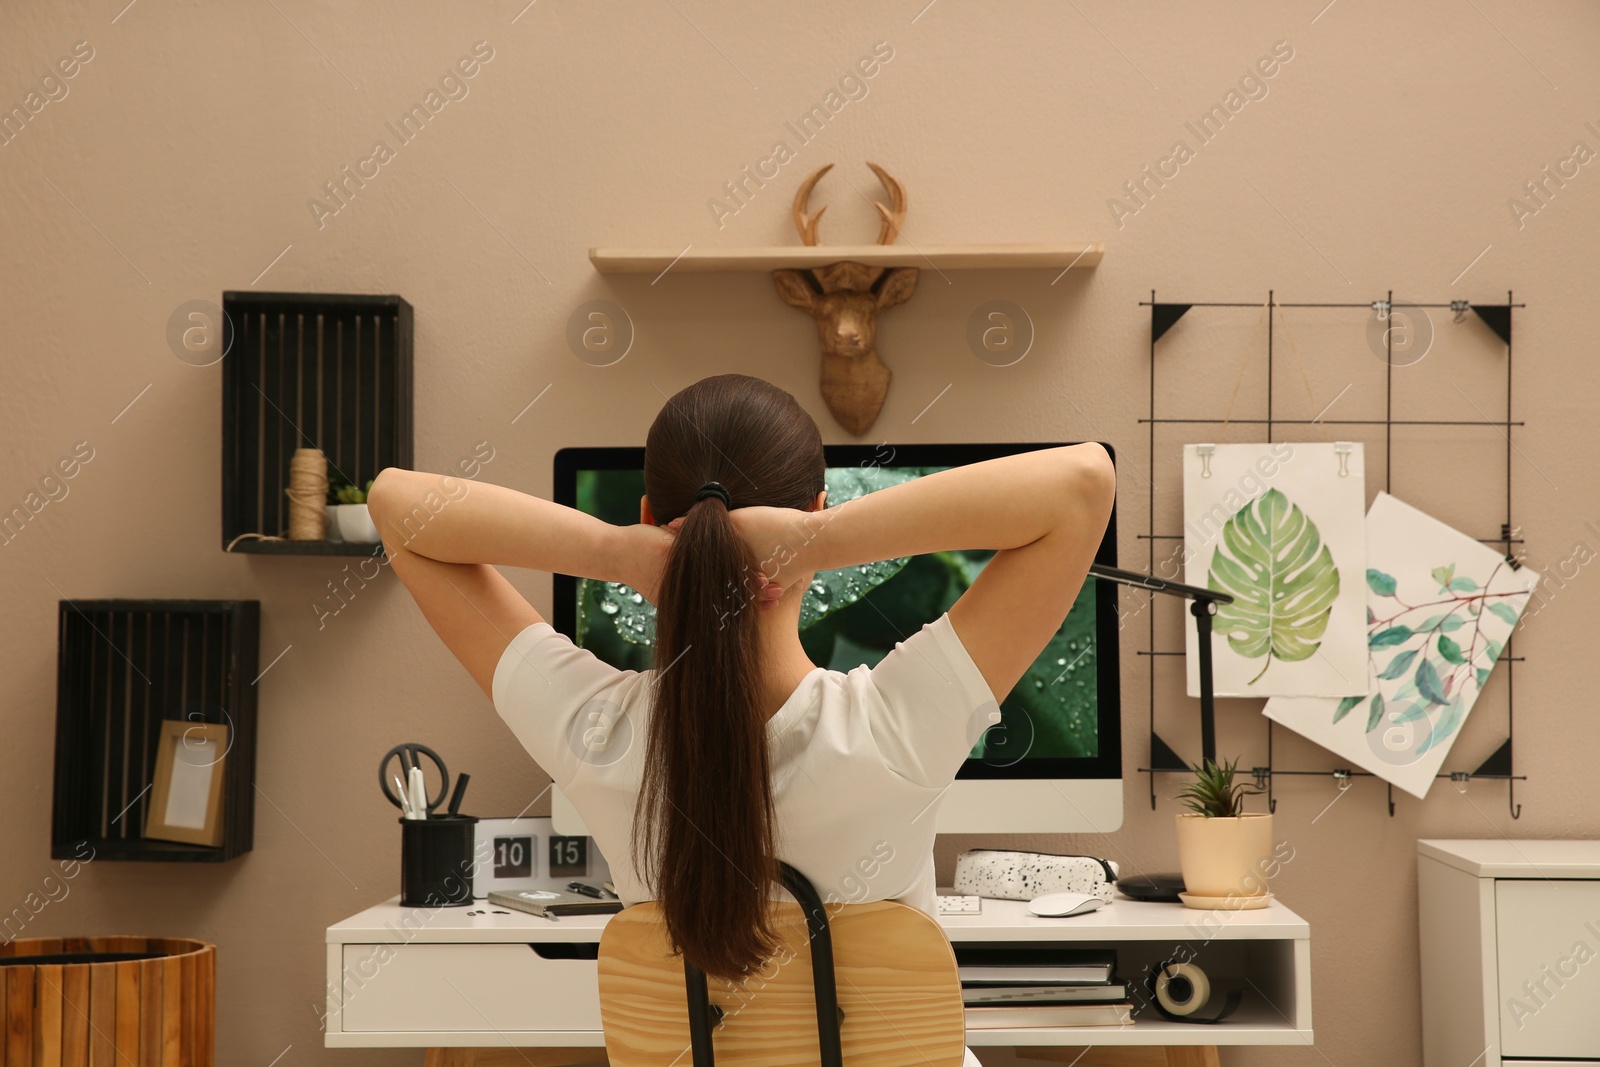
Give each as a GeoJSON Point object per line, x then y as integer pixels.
{"type": "Point", "coordinates": [1440, 668]}
{"type": "Point", "coordinates": [1282, 578]}
{"type": "Point", "coordinates": [1440, 609]}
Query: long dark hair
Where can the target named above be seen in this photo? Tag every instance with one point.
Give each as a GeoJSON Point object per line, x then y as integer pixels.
{"type": "Point", "coordinates": [703, 828]}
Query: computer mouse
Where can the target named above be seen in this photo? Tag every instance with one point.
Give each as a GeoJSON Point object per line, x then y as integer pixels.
{"type": "Point", "coordinates": [1058, 905]}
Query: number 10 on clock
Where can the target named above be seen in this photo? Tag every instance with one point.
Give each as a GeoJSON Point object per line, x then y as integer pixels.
{"type": "Point", "coordinates": [513, 857]}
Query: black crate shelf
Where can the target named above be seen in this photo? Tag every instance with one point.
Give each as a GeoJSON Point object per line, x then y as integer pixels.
{"type": "Point", "coordinates": [311, 548]}
{"type": "Point", "coordinates": [124, 667]}
{"type": "Point", "coordinates": [309, 370]}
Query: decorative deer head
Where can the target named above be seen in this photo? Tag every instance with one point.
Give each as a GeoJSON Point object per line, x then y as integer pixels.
{"type": "Point", "coordinates": [845, 298]}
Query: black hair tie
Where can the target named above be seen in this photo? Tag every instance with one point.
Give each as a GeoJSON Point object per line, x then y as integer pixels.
{"type": "Point", "coordinates": [714, 489]}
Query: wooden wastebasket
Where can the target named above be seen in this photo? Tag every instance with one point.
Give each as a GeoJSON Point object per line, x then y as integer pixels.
{"type": "Point", "coordinates": [118, 1001]}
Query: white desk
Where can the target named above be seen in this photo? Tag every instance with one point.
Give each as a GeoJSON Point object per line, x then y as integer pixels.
{"type": "Point", "coordinates": [420, 977]}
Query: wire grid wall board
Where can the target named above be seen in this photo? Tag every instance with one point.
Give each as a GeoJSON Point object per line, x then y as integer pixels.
{"type": "Point", "coordinates": [1281, 528]}
{"type": "Point", "coordinates": [1440, 607]}
{"type": "Point", "coordinates": [1426, 388]}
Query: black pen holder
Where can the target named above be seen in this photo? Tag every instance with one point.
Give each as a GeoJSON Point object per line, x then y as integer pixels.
{"type": "Point", "coordinates": [436, 860]}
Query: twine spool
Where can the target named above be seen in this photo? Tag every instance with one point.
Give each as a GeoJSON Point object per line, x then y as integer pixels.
{"type": "Point", "coordinates": [308, 495]}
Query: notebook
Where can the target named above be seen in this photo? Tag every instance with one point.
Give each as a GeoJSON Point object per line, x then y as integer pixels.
{"type": "Point", "coordinates": [989, 1018]}
{"type": "Point", "coordinates": [553, 903]}
{"type": "Point", "coordinates": [1076, 993]}
{"type": "Point", "coordinates": [1034, 966]}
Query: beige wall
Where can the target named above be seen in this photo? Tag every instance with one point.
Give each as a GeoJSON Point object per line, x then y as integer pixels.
{"type": "Point", "coordinates": [182, 161]}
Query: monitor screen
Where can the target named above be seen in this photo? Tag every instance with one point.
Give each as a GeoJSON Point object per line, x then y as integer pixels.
{"type": "Point", "coordinates": [1061, 720]}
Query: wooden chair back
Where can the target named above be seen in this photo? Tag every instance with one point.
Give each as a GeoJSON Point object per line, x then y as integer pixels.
{"type": "Point", "coordinates": [895, 977]}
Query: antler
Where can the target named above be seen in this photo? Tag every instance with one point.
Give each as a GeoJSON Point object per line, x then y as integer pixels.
{"type": "Point", "coordinates": [807, 224]}
{"type": "Point", "coordinates": [894, 216]}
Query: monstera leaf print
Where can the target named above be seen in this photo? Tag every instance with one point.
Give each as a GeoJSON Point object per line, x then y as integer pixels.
{"type": "Point", "coordinates": [1282, 578]}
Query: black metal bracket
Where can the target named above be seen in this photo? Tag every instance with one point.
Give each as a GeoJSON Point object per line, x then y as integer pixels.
{"type": "Point", "coordinates": [703, 1015]}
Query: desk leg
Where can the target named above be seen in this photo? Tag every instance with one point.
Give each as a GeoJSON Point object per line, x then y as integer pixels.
{"type": "Point", "coordinates": [1193, 1056]}
{"type": "Point", "coordinates": [513, 1057]}
{"type": "Point", "coordinates": [1124, 1055]}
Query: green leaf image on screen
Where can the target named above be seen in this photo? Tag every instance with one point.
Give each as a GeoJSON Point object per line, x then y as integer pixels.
{"type": "Point", "coordinates": [854, 617]}
{"type": "Point", "coordinates": [1282, 578]}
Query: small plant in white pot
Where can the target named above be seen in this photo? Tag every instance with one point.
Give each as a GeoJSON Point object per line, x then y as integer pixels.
{"type": "Point", "coordinates": [349, 518]}
{"type": "Point", "coordinates": [1224, 851]}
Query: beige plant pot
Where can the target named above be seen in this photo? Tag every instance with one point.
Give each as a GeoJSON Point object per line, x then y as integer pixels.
{"type": "Point", "coordinates": [1226, 861]}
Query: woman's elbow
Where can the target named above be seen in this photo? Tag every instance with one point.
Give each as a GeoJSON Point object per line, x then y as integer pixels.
{"type": "Point", "coordinates": [1092, 478]}
{"type": "Point", "coordinates": [386, 493]}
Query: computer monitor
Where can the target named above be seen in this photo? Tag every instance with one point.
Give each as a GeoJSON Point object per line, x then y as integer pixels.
{"type": "Point", "coordinates": [1053, 764]}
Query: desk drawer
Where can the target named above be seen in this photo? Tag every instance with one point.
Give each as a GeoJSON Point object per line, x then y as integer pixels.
{"type": "Point", "coordinates": [1549, 978]}
{"type": "Point", "coordinates": [504, 987]}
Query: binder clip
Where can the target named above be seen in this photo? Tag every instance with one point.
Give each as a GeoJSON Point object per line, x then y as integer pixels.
{"type": "Point", "coordinates": [1205, 452]}
{"type": "Point", "coordinates": [1343, 449]}
{"type": "Point", "coordinates": [1460, 779]}
{"type": "Point", "coordinates": [1460, 308]}
{"type": "Point", "coordinates": [1342, 778]}
{"type": "Point", "coordinates": [1382, 308]}
{"type": "Point", "coordinates": [1508, 534]}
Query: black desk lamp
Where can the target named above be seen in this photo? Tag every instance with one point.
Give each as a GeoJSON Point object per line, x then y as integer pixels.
{"type": "Point", "coordinates": [1203, 606]}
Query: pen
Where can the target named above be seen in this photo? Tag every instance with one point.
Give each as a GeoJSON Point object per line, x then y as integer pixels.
{"type": "Point", "coordinates": [405, 798]}
{"type": "Point", "coordinates": [586, 890]}
{"type": "Point", "coordinates": [419, 795]}
{"type": "Point", "coordinates": [460, 791]}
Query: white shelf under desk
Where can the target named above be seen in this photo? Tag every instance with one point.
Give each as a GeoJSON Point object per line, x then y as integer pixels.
{"type": "Point", "coordinates": [439, 977]}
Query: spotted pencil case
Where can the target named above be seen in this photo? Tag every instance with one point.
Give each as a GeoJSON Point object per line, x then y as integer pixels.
{"type": "Point", "coordinates": [1001, 875]}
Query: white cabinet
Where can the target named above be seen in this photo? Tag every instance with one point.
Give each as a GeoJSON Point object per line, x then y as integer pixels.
{"type": "Point", "coordinates": [1510, 943]}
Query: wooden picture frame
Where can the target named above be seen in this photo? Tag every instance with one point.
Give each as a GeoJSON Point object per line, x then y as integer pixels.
{"type": "Point", "coordinates": [186, 792]}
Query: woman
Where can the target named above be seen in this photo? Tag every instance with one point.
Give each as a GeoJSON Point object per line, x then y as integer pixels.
{"type": "Point", "coordinates": [735, 750]}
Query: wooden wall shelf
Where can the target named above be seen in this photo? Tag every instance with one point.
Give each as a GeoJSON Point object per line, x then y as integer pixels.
{"type": "Point", "coordinates": [309, 370]}
{"type": "Point", "coordinates": [778, 257]}
{"type": "Point", "coordinates": [124, 667]}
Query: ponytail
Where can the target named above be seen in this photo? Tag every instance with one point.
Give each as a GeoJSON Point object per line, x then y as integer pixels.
{"type": "Point", "coordinates": [703, 829]}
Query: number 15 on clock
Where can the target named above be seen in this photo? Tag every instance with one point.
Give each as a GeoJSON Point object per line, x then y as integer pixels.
{"type": "Point", "coordinates": [569, 856]}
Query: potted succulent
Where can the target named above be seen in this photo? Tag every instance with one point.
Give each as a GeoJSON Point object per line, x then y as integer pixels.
{"type": "Point", "coordinates": [349, 519]}
{"type": "Point", "coordinates": [1224, 852]}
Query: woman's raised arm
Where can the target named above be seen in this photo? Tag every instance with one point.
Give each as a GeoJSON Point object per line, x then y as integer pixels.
{"type": "Point", "coordinates": [441, 534]}
{"type": "Point", "coordinates": [1044, 513]}
{"type": "Point", "coordinates": [456, 520]}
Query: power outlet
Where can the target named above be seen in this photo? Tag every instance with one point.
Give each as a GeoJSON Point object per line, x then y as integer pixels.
{"type": "Point", "coordinates": [960, 905]}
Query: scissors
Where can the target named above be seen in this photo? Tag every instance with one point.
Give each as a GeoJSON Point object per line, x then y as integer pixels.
{"type": "Point", "coordinates": [408, 754]}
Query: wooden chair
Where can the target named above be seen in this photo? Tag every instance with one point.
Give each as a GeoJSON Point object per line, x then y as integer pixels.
{"type": "Point", "coordinates": [871, 985]}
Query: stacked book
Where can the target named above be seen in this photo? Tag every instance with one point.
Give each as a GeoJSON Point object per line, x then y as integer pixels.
{"type": "Point", "coordinates": [1041, 985]}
